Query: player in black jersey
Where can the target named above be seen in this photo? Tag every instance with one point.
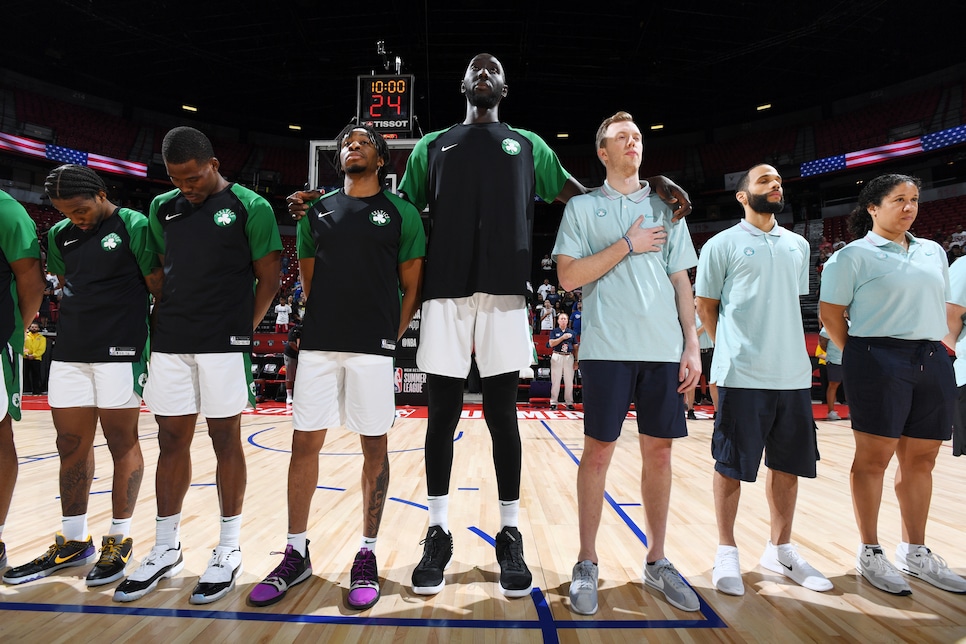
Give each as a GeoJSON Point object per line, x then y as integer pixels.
{"type": "Point", "coordinates": [220, 248]}
{"type": "Point", "coordinates": [21, 291]}
{"type": "Point", "coordinates": [99, 254]}
{"type": "Point", "coordinates": [359, 247]}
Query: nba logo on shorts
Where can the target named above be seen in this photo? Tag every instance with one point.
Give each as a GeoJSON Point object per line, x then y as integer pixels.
{"type": "Point", "coordinates": [397, 380]}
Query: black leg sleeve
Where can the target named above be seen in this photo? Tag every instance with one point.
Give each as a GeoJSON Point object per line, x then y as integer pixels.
{"type": "Point", "coordinates": [500, 412]}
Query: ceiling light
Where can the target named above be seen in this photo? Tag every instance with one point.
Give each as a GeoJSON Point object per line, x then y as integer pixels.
{"type": "Point", "coordinates": [762, 108]}
{"type": "Point", "coordinates": [189, 108]}
{"type": "Point", "coordinates": [657, 126]}
{"type": "Point", "coordinates": [297, 128]}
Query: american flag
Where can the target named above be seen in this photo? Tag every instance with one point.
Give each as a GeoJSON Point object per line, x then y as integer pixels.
{"type": "Point", "coordinates": [22, 145]}
{"type": "Point", "coordinates": [925, 143]}
{"type": "Point", "coordinates": [68, 155]}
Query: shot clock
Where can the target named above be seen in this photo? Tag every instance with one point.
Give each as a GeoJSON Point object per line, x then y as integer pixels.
{"type": "Point", "coordinates": [386, 103]}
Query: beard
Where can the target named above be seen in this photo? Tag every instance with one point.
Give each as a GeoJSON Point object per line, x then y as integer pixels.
{"type": "Point", "coordinates": [760, 203]}
{"type": "Point", "coordinates": [483, 100]}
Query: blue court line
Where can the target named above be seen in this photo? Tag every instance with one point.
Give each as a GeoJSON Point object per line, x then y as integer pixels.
{"type": "Point", "coordinates": [331, 489]}
{"type": "Point", "coordinates": [482, 535]}
{"type": "Point", "coordinates": [412, 503]}
{"type": "Point", "coordinates": [254, 443]}
{"type": "Point", "coordinates": [629, 505]}
{"type": "Point", "coordinates": [468, 489]}
{"type": "Point", "coordinates": [711, 618]}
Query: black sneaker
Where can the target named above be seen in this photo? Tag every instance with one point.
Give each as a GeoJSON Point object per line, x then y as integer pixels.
{"type": "Point", "coordinates": [115, 553]}
{"type": "Point", "coordinates": [364, 578]}
{"type": "Point", "coordinates": [437, 552]}
{"type": "Point", "coordinates": [163, 562]}
{"type": "Point", "coordinates": [224, 568]}
{"type": "Point", "coordinates": [3, 556]}
{"type": "Point", "coordinates": [515, 577]}
{"type": "Point", "coordinates": [691, 415]}
{"type": "Point", "coordinates": [63, 554]}
{"type": "Point", "coordinates": [293, 570]}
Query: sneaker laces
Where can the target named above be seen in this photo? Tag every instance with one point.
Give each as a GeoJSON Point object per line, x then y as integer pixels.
{"type": "Point", "coordinates": [47, 555]}
{"type": "Point", "coordinates": [514, 551]}
{"type": "Point", "coordinates": [109, 551]}
{"type": "Point", "coordinates": [287, 567]}
{"type": "Point", "coordinates": [584, 578]}
{"type": "Point", "coordinates": [364, 567]}
{"type": "Point", "coordinates": [672, 577]}
{"type": "Point", "coordinates": [430, 547]}
{"type": "Point", "coordinates": [881, 563]}
{"type": "Point", "coordinates": [730, 557]}
{"type": "Point", "coordinates": [932, 562]}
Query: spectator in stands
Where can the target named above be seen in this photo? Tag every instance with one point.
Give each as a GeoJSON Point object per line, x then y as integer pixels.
{"type": "Point", "coordinates": [707, 356]}
{"type": "Point", "coordinates": [367, 249]}
{"type": "Point", "coordinates": [833, 370]}
{"type": "Point", "coordinates": [34, 347]}
{"type": "Point", "coordinates": [955, 252]}
{"type": "Point", "coordinates": [641, 347]}
{"type": "Point", "coordinates": [98, 368]}
{"type": "Point", "coordinates": [553, 296]}
{"type": "Point", "coordinates": [547, 315]}
{"type": "Point", "coordinates": [220, 247]}
{"type": "Point", "coordinates": [283, 310]}
{"type": "Point", "coordinates": [563, 361]}
{"type": "Point", "coordinates": [476, 297]}
{"type": "Point", "coordinates": [544, 289]}
{"type": "Point", "coordinates": [291, 356]}
{"type": "Point", "coordinates": [20, 274]}
{"type": "Point", "coordinates": [959, 237]}
{"type": "Point", "coordinates": [577, 318]}
{"type": "Point", "coordinates": [748, 282]}
{"type": "Point", "coordinates": [566, 302]}
{"type": "Point", "coordinates": [902, 390]}
{"type": "Point", "coordinates": [546, 264]}
{"type": "Point", "coordinates": [825, 246]}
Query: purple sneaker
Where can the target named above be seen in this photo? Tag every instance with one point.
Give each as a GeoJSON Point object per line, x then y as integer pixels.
{"type": "Point", "coordinates": [293, 570]}
{"type": "Point", "coordinates": [364, 590]}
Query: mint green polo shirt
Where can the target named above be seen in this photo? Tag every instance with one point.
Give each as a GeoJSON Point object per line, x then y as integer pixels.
{"type": "Point", "coordinates": [957, 288]}
{"type": "Point", "coordinates": [758, 277]}
{"type": "Point", "coordinates": [630, 312]}
{"type": "Point", "coordinates": [890, 292]}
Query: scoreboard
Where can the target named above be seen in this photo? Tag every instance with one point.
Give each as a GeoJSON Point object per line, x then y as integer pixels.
{"type": "Point", "coordinates": [385, 102]}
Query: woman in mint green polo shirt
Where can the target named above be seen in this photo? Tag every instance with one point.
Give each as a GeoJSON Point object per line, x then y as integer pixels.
{"type": "Point", "coordinates": [899, 377]}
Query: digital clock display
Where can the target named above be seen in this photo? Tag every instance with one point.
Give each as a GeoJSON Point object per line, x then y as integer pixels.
{"type": "Point", "coordinates": [386, 103]}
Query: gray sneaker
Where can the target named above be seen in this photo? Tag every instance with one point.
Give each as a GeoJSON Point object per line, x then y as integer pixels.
{"type": "Point", "coordinates": [879, 571]}
{"type": "Point", "coordinates": [925, 564]}
{"type": "Point", "coordinates": [583, 588]}
{"type": "Point", "coordinates": [662, 575]}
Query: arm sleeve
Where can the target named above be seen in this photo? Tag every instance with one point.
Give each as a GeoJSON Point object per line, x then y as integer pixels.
{"type": "Point", "coordinates": [569, 240]}
{"type": "Point", "coordinates": [412, 241]}
{"type": "Point", "coordinates": [550, 174]}
{"type": "Point", "coordinates": [18, 235]}
{"type": "Point", "coordinates": [155, 233]}
{"type": "Point", "coordinates": [304, 243]}
{"type": "Point", "coordinates": [55, 261]}
{"type": "Point", "coordinates": [712, 269]}
{"type": "Point", "coordinates": [682, 255]}
{"type": "Point", "coordinates": [413, 183]}
{"type": "Point", "coordinates": [138, 229]}
{"type": "Point", "coordinates": [838, 280]}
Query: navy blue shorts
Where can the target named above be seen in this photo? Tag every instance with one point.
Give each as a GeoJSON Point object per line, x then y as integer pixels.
{"type": "Point", "coordinates": [609, 388]}
{"type": "Point", "coordinates": [900, 387]}
{"type": "Point", "coordinates": [752, 421]}
{"type": "Point", "coordinates": [834, 372]}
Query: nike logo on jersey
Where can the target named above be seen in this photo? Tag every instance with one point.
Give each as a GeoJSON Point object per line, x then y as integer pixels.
{"type": "Point", "coordinates": [70, 241]}
{"type": "Point", "coordinates": [448, 147]}
{"type": "Point", "coordinates": [323, 214]}
{"type": "Point", "coordinates": [170, 217]}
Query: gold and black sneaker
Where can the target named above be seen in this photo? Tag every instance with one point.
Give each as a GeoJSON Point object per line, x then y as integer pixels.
{"type": "Point", "coordinates": [63, 554]}
{"type": "Point", "coordinates": [115, 553]}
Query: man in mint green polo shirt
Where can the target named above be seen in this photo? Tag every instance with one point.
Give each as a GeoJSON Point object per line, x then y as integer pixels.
{"type": "Point", "coordinates": [955, 317]}
{"type": "Point", "coordinates": [638, 344]}
{"type": "Point", "coordinates": [748, 282]}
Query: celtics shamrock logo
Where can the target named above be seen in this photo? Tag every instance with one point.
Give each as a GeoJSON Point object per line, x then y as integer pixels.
{"type": "Point", "coordinates": [225, 217]}
{"type": "Point", "coordinates": [511, 147]}
{"type": "Point", "coordinates": [111, 242]}
{"type": "Point", "coordinates": [379, 217]}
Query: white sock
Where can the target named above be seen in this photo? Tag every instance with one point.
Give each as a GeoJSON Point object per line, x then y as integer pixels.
{"type": "Point", "coordinates": [298, 542]}
{"type": "Point", "coordinates": [905, 549]}
{"type": "Point", "coordinates": [230, 532]}
{"type": "Point", "coordinates": [369, 543]}
{"type": "Point", "coordinates": [1, 531]}
{"type": "Point", "coordinates": [509, 514]}
{"type": "Point", "coordinates": [121, 527]}
{"type": "Point", "coordinates": [439, 511]}
{"type": "Point", "coordinates": [74, 528]}
{"type": "Point", "coordinates": [167, 531]}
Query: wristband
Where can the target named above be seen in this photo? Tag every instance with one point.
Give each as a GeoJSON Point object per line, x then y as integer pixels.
{"type": "Point", "coordinates": [630, 246]}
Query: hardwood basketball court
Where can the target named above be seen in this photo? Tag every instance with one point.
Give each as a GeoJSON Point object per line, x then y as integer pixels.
{"type": "Point", "coordinates": [470, 608]}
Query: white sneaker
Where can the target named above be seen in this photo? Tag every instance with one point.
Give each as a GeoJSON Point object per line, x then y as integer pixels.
{"type": "Point", "coordinates": [162, 562]}
{"type": "Point", "coordinates": [583, 588]}
{"type": "Point", "coordinates": [879, 571]}
{"type": "Point", "coordinates": [833, 415]}
{"type": "Point", "coordinates": [925, 564]}
{"type": "Point", "coordinates": [785, 560]}
{"type": "Point", "coordinates": [726, 575]}
{"type": "Point", "coordinates": [224, 567]}
{"type": "Point", "coordinates": [289, 400]}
